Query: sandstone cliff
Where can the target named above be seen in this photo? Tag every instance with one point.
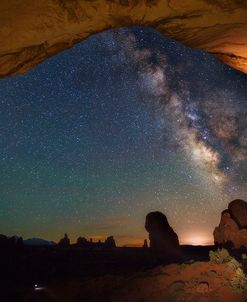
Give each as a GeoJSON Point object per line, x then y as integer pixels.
{"type": "Point", "coordinates": [31, 31]}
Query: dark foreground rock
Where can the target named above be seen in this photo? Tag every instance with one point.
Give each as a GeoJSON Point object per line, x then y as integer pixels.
{"type": "Point", "coordinates": [163, 239]}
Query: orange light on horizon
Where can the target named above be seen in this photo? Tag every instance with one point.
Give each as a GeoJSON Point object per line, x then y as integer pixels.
{"type": "Point", "coordinates": [197, 239]}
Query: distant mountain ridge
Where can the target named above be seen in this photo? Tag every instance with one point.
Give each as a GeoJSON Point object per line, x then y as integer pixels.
{"type": "Point", "coordinates": [38, 242]}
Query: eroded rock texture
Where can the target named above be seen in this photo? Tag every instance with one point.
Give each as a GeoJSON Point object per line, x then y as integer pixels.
{"type": "Point", "coordinates": [232, 228]}
{"type": "Point", "coordinates": [31, 31]}
{"type": "Point", "coordinates": [163, 239]}
{"type": "Point", "coordinates": [238, 210]}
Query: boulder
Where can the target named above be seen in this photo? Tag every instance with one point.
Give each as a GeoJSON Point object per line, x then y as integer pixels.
{"type": "Point", "coordinates": [226, 230]}
{"type": "Point", "coordinates": [238, 210]}
{"type": "Point", "coordinates": [163, 239]}
{"type": "Point", "coordinates": [231, 230]}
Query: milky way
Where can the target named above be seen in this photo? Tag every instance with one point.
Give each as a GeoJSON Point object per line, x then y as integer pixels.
{"type": "Point", "coordinates": [124, 123]}
{"type": "Point", "coordinates": [210, 129]}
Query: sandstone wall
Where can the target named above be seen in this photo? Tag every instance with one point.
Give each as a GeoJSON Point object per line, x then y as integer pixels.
{"type": "Point", "coordinates": [33, 30]}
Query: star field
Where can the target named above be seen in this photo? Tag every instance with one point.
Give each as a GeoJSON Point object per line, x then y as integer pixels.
{"type": "Point", "coordinates": [123, 123]}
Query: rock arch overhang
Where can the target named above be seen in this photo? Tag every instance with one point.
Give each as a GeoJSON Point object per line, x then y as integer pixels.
{"type": "Point", "coordinates": [33, 30]}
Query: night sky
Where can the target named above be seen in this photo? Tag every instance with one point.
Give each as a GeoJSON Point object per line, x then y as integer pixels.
{"type": "Point", "coordinates": [122, 124]}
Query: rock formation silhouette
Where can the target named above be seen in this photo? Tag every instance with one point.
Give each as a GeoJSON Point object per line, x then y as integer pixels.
{"type": "Point", "coordinates": [65, 241]}
{"type": "Point", "coordinates": [84, 243]}
{"type": "Point", "coordinates": [10, 242]}
{"type": "Point", "coordinates": [110, 242]}
{"type": "Point", "coordinates": [232, 228]}
{"type": "Point", "coordinates": [145, 244]}
{"type": "Point", "coordinates": [163, 240]}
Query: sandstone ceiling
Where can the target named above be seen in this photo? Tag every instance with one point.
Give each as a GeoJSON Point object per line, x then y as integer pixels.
{"type": "Point", "coordinates": [31, 31]}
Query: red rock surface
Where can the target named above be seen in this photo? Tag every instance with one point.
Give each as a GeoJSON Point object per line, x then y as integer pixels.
{"type": "Point", "coordinates": [199, 281]}
{"type": "Point", "coordinates": [31, 31]}
{"type": "Point", "coordinates": [231, 228]}
{"type": "Point", "coordinates": [238, 210]}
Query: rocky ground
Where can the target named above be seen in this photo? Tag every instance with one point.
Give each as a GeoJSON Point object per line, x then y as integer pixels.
{"type": "Point", "coordinates": [188, 282]}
